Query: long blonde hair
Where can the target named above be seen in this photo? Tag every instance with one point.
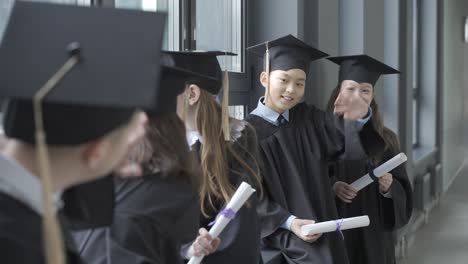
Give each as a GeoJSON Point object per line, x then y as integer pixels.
{"type": "Point", "coordinates": [215, 154]}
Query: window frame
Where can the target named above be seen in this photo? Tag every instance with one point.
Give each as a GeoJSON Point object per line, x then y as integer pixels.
{"type": "Point", "coordinates": [415, 109]}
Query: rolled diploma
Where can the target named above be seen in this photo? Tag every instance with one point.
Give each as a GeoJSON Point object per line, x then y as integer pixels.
{"type": "Point", "coordinates": [388, 166]}
{"type": "Point", "coordinates": [331, 226]}
{"type": "Point", "coordinates": [239, 198]}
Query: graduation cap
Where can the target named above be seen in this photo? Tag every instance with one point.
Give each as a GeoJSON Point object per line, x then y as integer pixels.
{"type": "Point", "coordinates": [174, 77]}
{"type": "Point", "coordinates": [204, 63]}
{"type": "Point", "coordinates": [286, 53]}
{"type": "Point", "coordinates": [207, 75]}
{"type": "Point", "coordinates": [72, 74]}
{"type": "Point", "coordinates": [118, 68]}
{"type": "Point", "coordinates": [361, 68]}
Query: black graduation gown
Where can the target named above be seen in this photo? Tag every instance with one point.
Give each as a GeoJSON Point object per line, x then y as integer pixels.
{"type": "Point", "coordinates": [240, 240]}
{"type": "Point", "coordinates": [152, 217]}
{"type": "Point", "coordinates": [89, 205]}
{"type": "Point", "coordinates": [295, 171]}
{"type": "Point", "coordinates": [21, 238]}
{"type": "Point", "coordinates": [376, 243]}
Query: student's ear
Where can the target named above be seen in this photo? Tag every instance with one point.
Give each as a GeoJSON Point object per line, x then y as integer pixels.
{"type": "Point", "coordinates": [94, 152]}
{"type": "Point", "coordinates": [193, 94]}
{"type": "Point", "coordinates": [264, 79]}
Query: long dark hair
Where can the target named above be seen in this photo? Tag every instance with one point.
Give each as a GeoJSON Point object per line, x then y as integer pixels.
{"type": "Point", "coordinates": [390, 139]}
{"type": "Point", "coordinates": [164, 149]}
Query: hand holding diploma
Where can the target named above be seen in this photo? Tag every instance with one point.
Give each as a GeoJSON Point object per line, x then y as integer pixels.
{"type": "Point", "coordinates": [336, 225]}
{"type": "Point", "coordinates": [296, 228]}
{"type": "Point", "coordinates": [379, 171]}
{"type": "Point", "coordinates": [385, 182]}
{"type": "Point", "coordinates": [239, 198]}
{"type": "Point", "coordinates": [204, 245]}
{"type": "Point", "coordinates": [344, 191]}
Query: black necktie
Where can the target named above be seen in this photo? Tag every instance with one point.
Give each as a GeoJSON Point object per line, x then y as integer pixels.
{"type": "Point", "coordinates": [281, 120]}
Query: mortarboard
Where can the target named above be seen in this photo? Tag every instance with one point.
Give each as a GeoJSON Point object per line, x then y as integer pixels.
{"type": "Point", "coordinates": [287, 53]}
{"type": "Point", "coordinates": [205, 63]}
{"type": "Point", "coordinates": [361, 68]}
{"type": "Point", "coordinates": [118, 68]}
{"type": "Point", "coordinates": [176, 72]}
{"type": "Point", "coordinates": [61, 78]}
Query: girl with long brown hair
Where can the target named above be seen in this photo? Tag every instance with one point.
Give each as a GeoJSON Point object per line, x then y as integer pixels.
{"type": "Point", "coordinates": [388, 201]}
{"type": "Point", "coordinates": [157, 213]}
{"type": "Point", "coordinates": [227, 153]}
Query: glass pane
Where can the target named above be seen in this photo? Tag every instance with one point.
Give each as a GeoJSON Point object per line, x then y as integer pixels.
{"type": "Point", "coordinates": [84, 2]}
{"type": "Point", "coordinates": [146, 5]}
{"type": "Point", "coordinates": [415, 43]}
{"type": "Point", "coordinates": [237, 111]}
{"type": "Point", "coordinates": [415, 122]}
{"type": "Point", "coordinates": [219, 27]}
{"type": "Point", "coordinates": [5, 8]}
{"type": "Point", "coordinates": [170, 41]}
{"type": "Point", "coordinates": [71, 2]}
{"type": "Point", "coordinates": [6, 5]}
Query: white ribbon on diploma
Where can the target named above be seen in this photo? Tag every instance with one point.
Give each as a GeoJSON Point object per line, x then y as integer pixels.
{"type": "Point", "coordinates": [239, 198]}
{"type": "Point", "coordinates": [336, 225]}
{"type": "Point", "coordinates": [388, 166]}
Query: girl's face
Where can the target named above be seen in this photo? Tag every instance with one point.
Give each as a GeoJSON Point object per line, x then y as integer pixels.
{"type": "Point", "coordinates": [350, 87]}
{"type": "Point", "coordinates": [286, 89]}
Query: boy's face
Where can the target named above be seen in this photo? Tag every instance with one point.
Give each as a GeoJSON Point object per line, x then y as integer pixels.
{"type": "Point", "coordinates": [110, 152]}
{"type": "Point", "coordinates": [286, 89]}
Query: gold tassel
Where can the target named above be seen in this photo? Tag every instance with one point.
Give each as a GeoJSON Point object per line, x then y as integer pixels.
{"type": "Point", "coordinates": [52, 234]}
{"type": "Point", "coordinates": [267, 70]}
{"type": "Point", "coordinates": [226, 128]}
{"type": "Point", "coordinates": [54, 249]}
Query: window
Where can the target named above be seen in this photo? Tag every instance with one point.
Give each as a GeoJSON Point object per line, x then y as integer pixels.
{"type": "Point", "coordinates": [146, 5]}
{"type": "Point", "coordinates": [84, 2]}
{"type": "Point", "coordinates": [5, 7]}
{"type": "Point", "coordinates": [237, 111]}
{"type": "Point", "coordinates": [415, 76]}
{"type": "Point", "coordinates": [171, 34]}
{"type": "Point", "coordinates": [216, 25]}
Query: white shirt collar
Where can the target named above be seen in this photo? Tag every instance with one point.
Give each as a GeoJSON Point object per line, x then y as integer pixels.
{"type": "Point", "coordinates": [268, 114]}
{"type": "Point", "coordinates": [17, 182]}
{"type": "Point", "coordinates": [237, 126]}
{"type": "Point", "coordinates": [192, 137]}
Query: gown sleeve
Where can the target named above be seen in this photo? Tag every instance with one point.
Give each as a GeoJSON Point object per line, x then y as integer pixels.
{"type": "Point", "coordinates": [396, 211]}
{"type": "Point", "coordinates": [89, 205]}
{"type": "Point", "coordinates": [345, 139]}
{"type": "Point", "coordinates": [270, 213]}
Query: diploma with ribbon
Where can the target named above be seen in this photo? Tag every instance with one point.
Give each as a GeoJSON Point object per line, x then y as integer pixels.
{"type": "Point", "coordinates": [374, 174]}
{"type": "Point", "coordinates": [239, 198]}
{"type": "Point", "coordinates": [336, 225]}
